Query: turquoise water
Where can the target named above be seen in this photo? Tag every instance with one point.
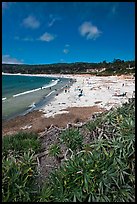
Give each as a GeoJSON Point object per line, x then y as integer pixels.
{"type": "Point", "coordinates": [15, 84]}
{"type": "Point", "coordinates": [22, 94]}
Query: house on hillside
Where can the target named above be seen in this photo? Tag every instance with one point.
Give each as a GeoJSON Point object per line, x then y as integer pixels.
{"type": "Point", "coordinates": [95, 70]}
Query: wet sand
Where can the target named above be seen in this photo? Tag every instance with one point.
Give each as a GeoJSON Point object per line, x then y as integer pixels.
{"type": "Point", "coordinates": [35, 121]}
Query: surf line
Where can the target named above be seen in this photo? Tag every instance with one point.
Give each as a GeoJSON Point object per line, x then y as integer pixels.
{"type": "Point", "coordinates": [33, 90]}
{"type": "Point", "coordinates": [3, 99]}
{"type": "Point", "coordinates": [49, 93]}
{"type": "Point", "coordinates": [26, 92]}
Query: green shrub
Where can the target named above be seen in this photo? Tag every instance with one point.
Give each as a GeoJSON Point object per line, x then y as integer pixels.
{"type": "Point", "coordinates": [93, 124]}
{"type": "Point", "coordinates": [104, 170]}
{"type": "Point", "coordinates": [54, 150]}
{"type": "Point", "coordinates": [18, 174]}
{"type": "Point", "coordinates": [19, 167]}
{"type": "Point", "coordinates": [20, 142]}
{"type": "Point", "coordinates": [101, 171]}
{"type": "Point", "coordinates": [96, 175]}
{"type": "Point", "coordinates": [72, 139]}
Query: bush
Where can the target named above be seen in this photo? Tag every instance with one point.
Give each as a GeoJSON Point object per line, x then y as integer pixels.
{"type": "Point", "coordinates": [19, 167]}
{"type": "Point", "coordinates": [104, 170]}
{"type": "Point", "coordinates": [54, 150]}
{"type": "Point", "coordinates": [72, 139]}
{"type": "Point", "coordinates": [20, 142]}
{"type": "Point", "coordinates": [18, 174]}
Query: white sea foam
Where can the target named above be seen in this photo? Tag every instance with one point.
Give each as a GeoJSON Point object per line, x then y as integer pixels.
{"type": "Point", "coordinates": [33, 90]}
{"type": "Point", "coordinates": [50, 93]}
{"type": "Point", "coordinates": [32, 105]}
{"type": "Point", "coordinates": [53, 83]}
{"type": "Point", "coordinates": [3, 99]}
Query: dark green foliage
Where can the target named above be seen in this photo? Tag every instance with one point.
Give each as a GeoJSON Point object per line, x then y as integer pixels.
{"type": "Point", "coordinates": [117, 66]}
{"type": "Point", "coordinates": [54, 150]}
{"type": "Point", "coordinates": [101, 171]}
{"type": "Point", "coordinates": [19, 167]}
{"type": "Point", "coordinates": [104, 170]}
{"type": "Point", "coordinates": [72, 139]}
{"type": "Point", "coordinates": [20, 142]}
{"type": "Point", "coordinates": [18, 176]}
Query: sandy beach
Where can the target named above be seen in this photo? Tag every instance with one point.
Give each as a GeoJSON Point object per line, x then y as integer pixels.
{"type": "Point", "coordinates": [88, 91]}
{"type": "Point", "coordinates": [76, 103]}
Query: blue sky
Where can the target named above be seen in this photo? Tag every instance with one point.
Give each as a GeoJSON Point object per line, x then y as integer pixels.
{"type": "Point", "coordinates": [54, 32]}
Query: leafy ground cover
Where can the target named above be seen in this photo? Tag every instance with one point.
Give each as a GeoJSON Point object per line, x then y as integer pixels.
{"type": "Point", "coordinates": [102, 170]}
{"type": "Point", "coordinates": [98, 162]}
{"type": "Point", "coordinates": [19, 167]}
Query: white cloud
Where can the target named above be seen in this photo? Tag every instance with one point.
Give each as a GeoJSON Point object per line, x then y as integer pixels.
{"type": "Point", "coordinates": [53, 20]}
{"type": "Point", "coordinates": [31, 22]}
{"type": "Point", "coordinates": [24, 39]}
{"type": "Point", "coordinates": [47, 37]}
{"type": "Point", "coordinates": [6, 59]}
{"type": "Point", "coordinates": [89, 30]}
{"type": "Point", "coordinates": [66, 51]}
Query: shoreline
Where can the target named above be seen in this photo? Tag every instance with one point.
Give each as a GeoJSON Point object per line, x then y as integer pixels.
{"type": "Point", "coordinates": [42, 97]}
{"type": "Point", "coordinates": [35, 122]}
{"type": "Point", "coordinates": [98, 94]}
{"type": "Point", "coordinates": [43, 75]}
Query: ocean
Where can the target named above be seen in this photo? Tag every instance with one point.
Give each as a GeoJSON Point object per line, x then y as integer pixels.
{"type": "Point", "coordinates": [23, 94]}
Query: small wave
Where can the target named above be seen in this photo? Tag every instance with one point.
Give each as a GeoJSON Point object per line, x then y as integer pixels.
{"type": "Point", "coordinates": [53, 83]}
{"type": "Point", "coordinates": [3, 99]}
{"type": "Point", "coordinates": [49, 94]}
{"type": "Point", "coordinates": [33, 90]}
{"type": "Point", "coordinates": [26, 92]}
{"type": "Point", "coordinates": [32, 105]}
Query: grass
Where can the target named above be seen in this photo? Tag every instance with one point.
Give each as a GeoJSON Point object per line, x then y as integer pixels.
{"type": "Point", "coordinates": [101, 171]}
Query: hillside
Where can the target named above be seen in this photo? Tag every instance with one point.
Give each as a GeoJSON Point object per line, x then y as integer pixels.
{"type": "Point", "coordinates": [103, 68]}
{"type": "Point", "coordinates": [94, 162]}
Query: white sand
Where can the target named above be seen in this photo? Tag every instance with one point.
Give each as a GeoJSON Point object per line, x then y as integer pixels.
{"type": "Point", "coordinates": [95, 89]}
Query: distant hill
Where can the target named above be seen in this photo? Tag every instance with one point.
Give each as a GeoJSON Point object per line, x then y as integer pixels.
{"type": "Point", "coordinates": [102, 68]}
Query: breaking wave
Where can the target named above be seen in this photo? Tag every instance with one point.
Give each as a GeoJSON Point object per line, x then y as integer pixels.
{"type": "Point", "coordinates": [3, 99]}
{"type": "Point", "coordinates": [53, 83]}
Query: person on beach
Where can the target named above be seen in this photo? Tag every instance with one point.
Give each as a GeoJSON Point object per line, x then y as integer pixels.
{"type": "Point", "coordinates": [123, 94]}
{"type": "Point", "coordinates": [81, 91]}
